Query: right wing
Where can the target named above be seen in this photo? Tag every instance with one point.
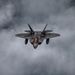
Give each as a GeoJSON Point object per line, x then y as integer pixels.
{"type": "Point", "coordinates": [51, 35]}
{"type": "Point", "coordinates": [23, 35]}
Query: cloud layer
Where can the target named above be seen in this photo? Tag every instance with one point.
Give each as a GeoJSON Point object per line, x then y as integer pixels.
{"type": "Point", "coordinates": [57, 58]}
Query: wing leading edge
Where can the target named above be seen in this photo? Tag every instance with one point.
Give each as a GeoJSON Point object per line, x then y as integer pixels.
{"type": "Point", "coordinates": [23, 35]}
{"type": "Point", "coordinates": [51, 35]}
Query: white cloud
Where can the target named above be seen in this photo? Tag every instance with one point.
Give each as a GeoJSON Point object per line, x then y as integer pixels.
{"type": "Point", "coordinates": [55, 58]}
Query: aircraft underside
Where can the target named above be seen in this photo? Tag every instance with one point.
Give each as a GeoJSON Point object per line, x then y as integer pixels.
{"type": "Point", "coordinates": [36, 42]}
{"type": "Point", "coordinates": [37, 37]}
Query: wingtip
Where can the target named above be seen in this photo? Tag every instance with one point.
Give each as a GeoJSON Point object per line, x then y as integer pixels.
{"type": "Point", "coordinates": [58, 34]}
{"type": "Point", "coordinates": [16, 35]}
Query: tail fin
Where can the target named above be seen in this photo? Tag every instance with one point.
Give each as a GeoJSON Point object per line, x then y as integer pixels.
{"type": "Point", "coordinates": [30, 28]}
{"type": "Point", "coordinates": [45, 27]}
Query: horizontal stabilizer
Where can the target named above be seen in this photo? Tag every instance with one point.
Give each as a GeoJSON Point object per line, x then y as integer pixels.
{"type": "Point", "coordinates": [48, 30]}
{"type": "Point", "coordinates": [27, 31]}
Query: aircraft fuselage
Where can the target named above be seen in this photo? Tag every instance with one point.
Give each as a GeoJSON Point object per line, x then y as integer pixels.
{"type": "Point", "coordinates": [36, 39]}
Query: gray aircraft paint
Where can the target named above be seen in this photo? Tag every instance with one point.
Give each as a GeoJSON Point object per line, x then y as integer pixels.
{"type": "Point", "coordinates": [37, 37]}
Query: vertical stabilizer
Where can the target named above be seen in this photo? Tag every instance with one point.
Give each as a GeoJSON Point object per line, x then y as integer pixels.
{"type": "Point", "coordinates": [30, 28]}
{"type": "Point", "coordinates": [45, 28]}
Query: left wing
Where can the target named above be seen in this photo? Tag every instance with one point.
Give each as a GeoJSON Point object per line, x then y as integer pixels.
{"type": "Point", "coordinates": [23, 35]}
{"type": "Point", "coordinates": [51, 35]}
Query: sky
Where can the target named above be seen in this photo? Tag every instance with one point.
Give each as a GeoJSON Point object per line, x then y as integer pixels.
{"type": "Point", "coordinates": [56, 58]}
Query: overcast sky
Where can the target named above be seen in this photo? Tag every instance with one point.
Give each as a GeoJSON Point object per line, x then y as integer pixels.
{"type": "Point", "coordinates": [57, 58]}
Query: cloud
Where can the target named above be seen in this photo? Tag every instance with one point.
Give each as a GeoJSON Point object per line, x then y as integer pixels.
{"type": "Point", "coordinates": [6, 13]}
{"type": "Point", "coordinates": [57, 58]}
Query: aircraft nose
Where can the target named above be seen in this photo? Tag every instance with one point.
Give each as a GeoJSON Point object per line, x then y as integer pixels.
{"type": "Point", "coordinates": [35, 45]}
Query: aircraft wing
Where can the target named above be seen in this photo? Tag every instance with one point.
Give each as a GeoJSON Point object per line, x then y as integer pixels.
{"type": "Point", "coordinates": [23, 35]}
{"type": "Point", "coordinates": [51, 35]}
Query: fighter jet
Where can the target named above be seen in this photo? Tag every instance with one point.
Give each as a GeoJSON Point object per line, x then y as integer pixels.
{"type": "Point", "coordinates": [37, 37]}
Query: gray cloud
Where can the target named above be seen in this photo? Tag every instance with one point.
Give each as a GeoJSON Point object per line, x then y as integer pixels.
{"type": "Point", "coordinates": [54, 59]}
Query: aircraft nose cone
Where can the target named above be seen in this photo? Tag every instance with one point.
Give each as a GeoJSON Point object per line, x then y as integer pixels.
{"type": "Point", "coordinates": [35, 45]}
